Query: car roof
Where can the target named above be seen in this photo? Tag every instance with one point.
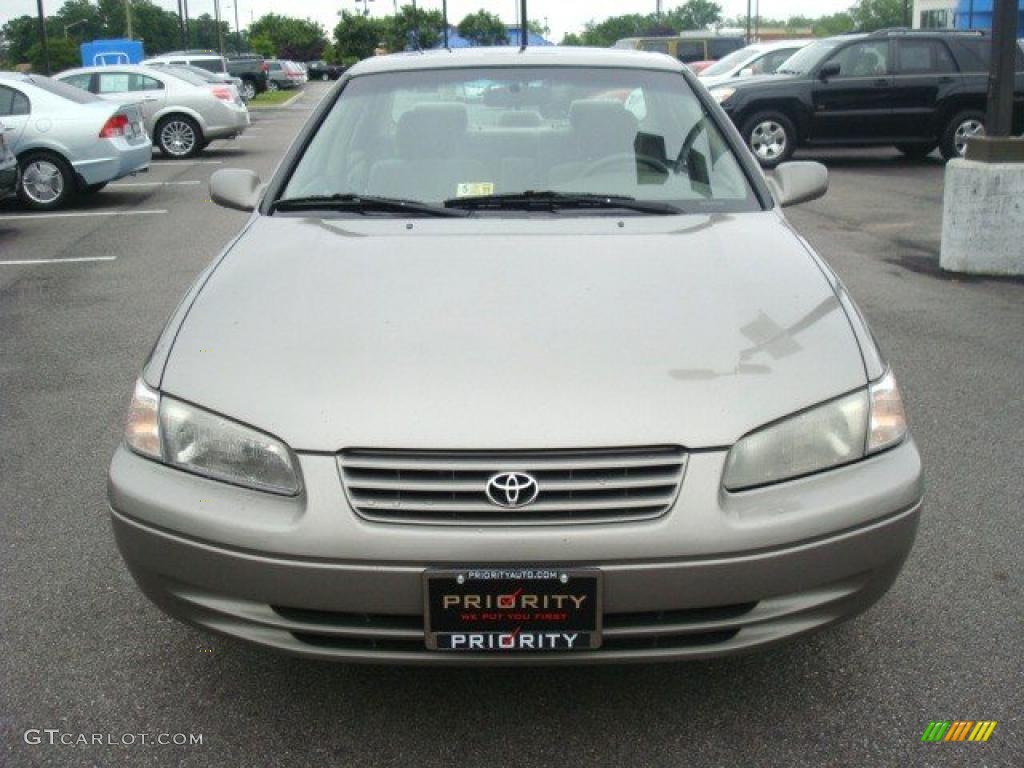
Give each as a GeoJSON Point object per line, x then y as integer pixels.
{"type": "Point", "coordinates": [511, 56]}
{"type": "Point", "coordinates": [771, 45]}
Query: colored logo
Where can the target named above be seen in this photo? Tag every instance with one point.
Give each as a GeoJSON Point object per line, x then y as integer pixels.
{"type": "Point", "coordinates": [958, 730]}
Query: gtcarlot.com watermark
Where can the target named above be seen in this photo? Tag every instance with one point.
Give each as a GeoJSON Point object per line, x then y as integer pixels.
{"type": "Point", "coordinates": [57, 737]}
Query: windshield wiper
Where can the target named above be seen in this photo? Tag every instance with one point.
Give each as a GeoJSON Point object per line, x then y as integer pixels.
{"type": "Point", "coordinates": [361, 203]}
{"type": "Point", "coordinates": [549, 200]}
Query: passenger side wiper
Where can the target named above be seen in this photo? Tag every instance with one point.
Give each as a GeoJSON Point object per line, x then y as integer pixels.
{"type": "Point", "coordinates": [361, 203]}
{"type": "Point", "coordinates": [551, 200]}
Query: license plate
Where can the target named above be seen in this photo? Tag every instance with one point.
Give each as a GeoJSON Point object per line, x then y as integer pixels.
{"type": "Point", "coordinates": [512, 610]}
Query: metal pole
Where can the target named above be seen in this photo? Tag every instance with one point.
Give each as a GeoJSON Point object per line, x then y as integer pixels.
{"type": "Point", "coordinates": [749, 2]}
{"type": "Point", "coordinates": [42, 36]}
{"type": "Point", "coordinates": [523, 24]}
{"type": "Point", "coordinates": [444, 14]}
{"type": "Point", "coordinates": [220, 29]}
{"type": "Point", "coordinates": [238, 32]}
{"type": "Point", "coordinates": [188, 28]}
{"type": "Point", "coordinates": [181, 24]}
{"type": "Point", "coordinates": [128, 18]}
{"type": "Point", "coordinates": [999, 119]}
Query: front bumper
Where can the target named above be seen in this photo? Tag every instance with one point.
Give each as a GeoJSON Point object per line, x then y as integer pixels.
{"type": "Point", "coordinates": [718, 574]}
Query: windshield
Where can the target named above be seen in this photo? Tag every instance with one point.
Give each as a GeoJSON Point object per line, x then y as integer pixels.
{"type": "Point", "coordinates": [726, 65]}
{"type": "Point", "coordinates": [804, 60]}
{"type": "Point", "coordinates": [432, 136]}
{"type": "Point", "coordinates": [64, 90]}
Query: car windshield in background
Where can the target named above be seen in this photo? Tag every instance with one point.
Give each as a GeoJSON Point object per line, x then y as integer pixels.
{"type": "Point", "coordinates": [801, 62]}
{"type": "Point", "coordinates": [65, 91]}
{"type": "Point", "coordinates": [449, 136]}
{"type": "Point", "coordinates": [723, 66]}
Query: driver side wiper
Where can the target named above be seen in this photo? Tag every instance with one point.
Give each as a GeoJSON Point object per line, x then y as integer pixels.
{"type": "Point", "coordinates": [551, 200]}
{"type": "Point", "coordinates": [360, 203]}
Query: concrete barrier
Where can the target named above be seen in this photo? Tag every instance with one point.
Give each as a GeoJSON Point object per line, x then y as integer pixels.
{"type": "Point", "coordinates": [983, 218]}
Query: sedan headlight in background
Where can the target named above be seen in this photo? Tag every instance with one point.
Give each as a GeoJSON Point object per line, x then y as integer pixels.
{"type": "Point", "coordinates": [722, 94]}
{"type": "Point", "coordinates": [197, 441]}
{"type": "Point", "coordinates": [829, 435]}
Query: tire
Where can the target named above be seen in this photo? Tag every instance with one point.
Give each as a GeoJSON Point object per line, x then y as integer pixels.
{"type": "Point", "coordinates": [970, 122]}
{"type": "Point", "coordinates": [771, 137]}
{"type": "Point", "coordinates": [178, 137]}
{"type": "Point", "coordinates": [92, 189]}
{"type": "Point", "coordinates": [248, 90]}
{"type": "Point", "coordinates": [272, 86]}
{"type": "Point", "coordinates": [915, 151]}
{"type": "Point", "coordinates": [325, 77]}
{"type": "Point", "coordinates": [47, 181]}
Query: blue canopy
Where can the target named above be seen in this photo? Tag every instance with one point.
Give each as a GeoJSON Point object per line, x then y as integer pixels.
{"type": "Point", "coordinates": [455, 40]}
{"type": "Point", "coordinates": [977, 14]}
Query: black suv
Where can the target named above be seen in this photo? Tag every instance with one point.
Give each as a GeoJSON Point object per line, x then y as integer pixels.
{"type": "Point", "coordinates": [912, 89]}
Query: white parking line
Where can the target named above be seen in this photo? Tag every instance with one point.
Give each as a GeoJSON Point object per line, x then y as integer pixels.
{"type": "Point", "coordinates": [78, 214]}
{"type": "Point", "coordinates": [74, 260]}
{"type": "Point", "coordinates": [154, 183]}
{"type": "Point", "coordinates": [185, 162]}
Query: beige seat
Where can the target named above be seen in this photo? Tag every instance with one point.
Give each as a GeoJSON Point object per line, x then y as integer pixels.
{"type": "Point", "coordinates": [601, 128]}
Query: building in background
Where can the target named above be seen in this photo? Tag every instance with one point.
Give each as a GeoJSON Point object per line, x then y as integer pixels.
{"type": "Point", "coordinates": [977, 14]}
{"type": "Point", "coordinates": [958, 14]}
{"type": "Point", "coordinates": [934, 14]}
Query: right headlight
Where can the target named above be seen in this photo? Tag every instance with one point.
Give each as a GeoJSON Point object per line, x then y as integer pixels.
{"type": "Point", "coordinates": [825, 436]}
{"type": "Point", "coordinates": [187, 437]}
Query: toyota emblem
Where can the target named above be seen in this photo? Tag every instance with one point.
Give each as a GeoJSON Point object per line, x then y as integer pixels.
{"type": "Point", "coordinates": [512, 489]}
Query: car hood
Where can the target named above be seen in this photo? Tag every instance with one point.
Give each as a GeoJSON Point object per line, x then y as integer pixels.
{"type": "Point", "coordinates": [758, 81]}
{"type": "Point", "coordinates": [508, 334]}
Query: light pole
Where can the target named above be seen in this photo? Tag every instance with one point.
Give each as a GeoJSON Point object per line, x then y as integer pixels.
{"type": "Point", "coordinates": [220, 28]}
{"type": "Point", "coordinates": [128, 18]}
{"type": "Point", "coordinates": [42, 36]}
{"type": "Point", "coordinates": [72, 25]}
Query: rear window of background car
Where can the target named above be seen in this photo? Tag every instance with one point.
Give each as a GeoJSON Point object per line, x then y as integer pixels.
{"type": "Point", "coordinates": [65, 91]}
{"type": "Point", "coordinates": [12, 102]}
{"type": "Point", "coordinates": [923, 57]}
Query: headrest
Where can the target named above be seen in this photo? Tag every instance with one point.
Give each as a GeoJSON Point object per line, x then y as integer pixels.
{"type": "Point", "coordinates": [437, 126]}
{"type": "Point", "coordinates": [603, 127]}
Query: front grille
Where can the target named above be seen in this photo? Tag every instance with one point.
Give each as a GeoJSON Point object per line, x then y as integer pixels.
{"type": "Point", "coordinates": [450, 487]}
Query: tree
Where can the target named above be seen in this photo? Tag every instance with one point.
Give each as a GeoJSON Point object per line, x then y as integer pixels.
{"type": "Point", "coordinates": [412, 28]}
{"type": "Point", "coordinates": [604, 34]}
{"type": "Point", "coordinates": [836, 24]}
{"type": "Point", "coordinates": [483, 28]}
{"type": "Point", "coordinates": [356, 36]}
{"type": "Point", "coordinates": [869, 15]}
{"type": "Point", "coordinates": [694, 14]}
{"type": "Point", "coordinates": [540, 28]}
{"type": "Point", "coordinates": [20, 34]}
{"type": "Point", "coordinates": [571, 38]}
{"type": "Point", "coordinates": [298, 39]}
{"type": "Point", "coordinates": [63, 55]}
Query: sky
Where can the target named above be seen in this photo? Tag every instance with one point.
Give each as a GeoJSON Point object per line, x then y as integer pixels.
{"type": "Point", "coordinates": [561, 15]}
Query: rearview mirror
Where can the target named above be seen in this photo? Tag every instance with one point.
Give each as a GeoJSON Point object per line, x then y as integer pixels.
{"type": "Point", "coordinates": [829, 70]}
{"type": "Point", "coordinates": [795, 183]}
{"type": "Point", "coordinates": [235, 188]}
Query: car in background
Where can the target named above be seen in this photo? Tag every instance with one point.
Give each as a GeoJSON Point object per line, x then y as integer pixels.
{"type": "Point", "coordinates": [9, 174]}
{"type": "Point", "coordinates": [283, 74]}
{"type": "Point", "coordinates": [211, 61]}
{"type": "Point", "coordinates": [252, 69]}
{"type": "Point", "coordinates": [182, 112]}
{"type": "Point", "coordinates": [912, 89]}
{"type": "Point", "coordinates": [692, 48]}
{"type": "Point", "coordinates": [300, 68]}
{"type": "Point", "coordinates": [68, 142]}
{"type": "Point", "coordinates": [757, 59]}
{"type": "Point", "coordinates": [204, 75]}
{"type": "Point", "coordinates": [321, 70]}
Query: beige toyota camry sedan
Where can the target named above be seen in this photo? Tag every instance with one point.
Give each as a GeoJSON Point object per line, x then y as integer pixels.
{"type": "Point", "coordinates": [517, 360]}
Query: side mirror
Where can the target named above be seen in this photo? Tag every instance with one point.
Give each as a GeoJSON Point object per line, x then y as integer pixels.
{"type": "Point", "coordinates": [795, 183]}
{"type": "Point", "coordinates": [235, 188]}
{"type": "Point", "coordinates": [829, 70]}
{"type": "Point", "coordinates": [746, 72]}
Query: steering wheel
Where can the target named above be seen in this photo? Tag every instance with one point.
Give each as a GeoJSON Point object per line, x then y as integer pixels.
{"type": "Point", "coordinates": [691, 137]}
{"type": "Point", "coordinates": [624, 158]}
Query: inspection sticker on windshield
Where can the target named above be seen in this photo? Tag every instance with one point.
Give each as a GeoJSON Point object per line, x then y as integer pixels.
{"type": "Point", "coordinates": [475, 189]}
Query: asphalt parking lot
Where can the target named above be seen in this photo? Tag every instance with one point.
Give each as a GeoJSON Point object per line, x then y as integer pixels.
{"type": "Point", "coordinates": [83, 294]}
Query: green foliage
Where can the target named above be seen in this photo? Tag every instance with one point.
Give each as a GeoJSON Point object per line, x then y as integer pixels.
{"type": "Point", "coordinates": [869, 15]}
{"type": "Point", "coordinates": [356, 36]}
{"type": "Point", "coordinates": [836, 24]}
{"type": "Point", "coordinates": [483, 28]}
{"type": "Point", "coordinates": [264, 46]}
{"type": "Point", "coordinates": [412, 28]}
{"type": "Point", "coordinates": [297, 39]}
{"type": "Point", "coordinates": [692, 15]}
{"type": "Point", "coordinates": [63, 55]}
{"type": "Point", "coordinates": [538, 28]}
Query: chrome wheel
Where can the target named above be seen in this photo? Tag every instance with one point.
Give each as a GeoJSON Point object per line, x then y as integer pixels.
{"type": "Point", "coordinates": [42, 182]}
{"type": "Point", "coordinates": [964, 131]}
{"type": "Point", "coordinates": [177, 138]}
{"type": "Point", "coordinates": [248, 90]}
{"type": "Point", "coordinates": [272, 85]}
{"type": "Point", "coordinates": [768, 140]}
{"type": "Point", "coordinates": [325, 77]}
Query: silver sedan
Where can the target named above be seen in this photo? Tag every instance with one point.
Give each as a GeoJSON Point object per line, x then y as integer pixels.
{"type": "Point", "coordinates": [67, 142]}
{"type": "Point", "coordinates": [183, 113]}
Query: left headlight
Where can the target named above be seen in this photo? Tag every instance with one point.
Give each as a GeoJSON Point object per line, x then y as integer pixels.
{"type": "Point", "coordinates": [829, 435]}
{"type": "Point", "coordinates": [722, 94]}
{"type": "Point", "coordinates": [197, 441]}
